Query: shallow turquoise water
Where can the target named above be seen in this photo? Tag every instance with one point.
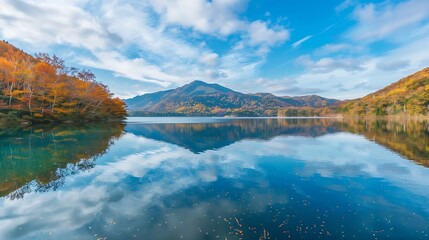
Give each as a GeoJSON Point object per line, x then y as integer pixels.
{"type": "Point", "coordinates": [216, 178]}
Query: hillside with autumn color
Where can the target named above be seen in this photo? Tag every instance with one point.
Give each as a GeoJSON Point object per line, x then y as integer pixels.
{"type": "Point", "coordinates": [406, 97]}
{"type": "Point", "coordinates": [199, 98]}
{"type": "Point", "coordinates": [41, 88]}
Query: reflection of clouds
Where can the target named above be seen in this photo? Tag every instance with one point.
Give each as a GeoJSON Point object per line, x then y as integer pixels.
{"type": "Point", "coordinates": [331, 169]}
{"type": "Point", "coordinates": [345, 154]}
{"type": "Point", "coordinates": [168, 169]}
{"type": "Point", "coordinates": [55, 211]}
{"type": "Point", "coordinates": [138, 174]}
{"type": "Point", "coordinates": [393, 169]}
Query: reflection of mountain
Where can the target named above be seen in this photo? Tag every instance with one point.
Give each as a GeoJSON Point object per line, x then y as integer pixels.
{"type": "Point", "coordinates": [408, 138]}
{"type": "Point", "coordinates": [198, 137]}
{"type": "Point", "coordinates": [38, 159]}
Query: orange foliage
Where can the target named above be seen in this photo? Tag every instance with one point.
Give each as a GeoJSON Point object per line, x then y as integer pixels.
{"type": "Point", "coordinates": [406, 97]}
{"type": "Point", "coordinates": [43, 88]}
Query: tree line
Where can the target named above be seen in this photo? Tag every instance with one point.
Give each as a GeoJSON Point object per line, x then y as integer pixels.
{"type": "Point", "coordinates": [42, 88]}
{"type": "Point", "coordinates": [406, 97]}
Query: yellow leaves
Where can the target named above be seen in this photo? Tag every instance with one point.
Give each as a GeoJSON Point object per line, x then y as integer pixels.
{"type": "Point", "coordinates": [218, 110]}
{"type": "Point", "coordinates": [18, 92]}
{"type": "Point", "coordinates": [63, 110]}
{"type": "Point", "coordinates": [407, 96]}
{"type": "Point", "coordinates": [5, 65]}
{"type": "Point", "coordinates": [48, 89]}
{"type": "Point", "coordinates": [70, 104]}
{"type": "Point", "coordinates": [199, 107]}
{"type": "Point", "coordinates": [44, 72]}
{"type": "Point", "coordinates": [181, 109]}
{"type": "Point", "coordinates": [396, 91]}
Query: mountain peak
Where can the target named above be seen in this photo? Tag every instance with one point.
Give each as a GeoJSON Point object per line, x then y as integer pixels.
{"type": "Point", "coordinates": [197, 82]}
{"type": "Point", "coordinates": [201, 98]}
{"type": "Point", "coordinates": [198, 87]}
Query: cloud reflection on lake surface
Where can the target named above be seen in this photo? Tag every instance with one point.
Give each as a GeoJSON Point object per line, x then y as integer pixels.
{"type": "Point", "coordinates": [227, 178]}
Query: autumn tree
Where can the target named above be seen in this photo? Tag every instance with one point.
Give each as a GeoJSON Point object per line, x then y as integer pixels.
{"type": "Point", "coordinates": [44, 89]}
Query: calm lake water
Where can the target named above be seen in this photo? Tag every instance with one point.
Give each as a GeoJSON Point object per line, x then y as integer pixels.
{"type": "Point", "coordinates": [216, 178]}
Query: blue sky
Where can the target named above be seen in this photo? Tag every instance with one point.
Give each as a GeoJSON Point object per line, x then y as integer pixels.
{"type": "Point", "coordinates": [339, 48]}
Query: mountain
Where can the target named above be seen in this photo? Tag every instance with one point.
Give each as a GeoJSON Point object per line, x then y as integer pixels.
{"type": "Point", "coordinates": [200, 98]}
{"type": "Point", "coordinates": [407, 97]}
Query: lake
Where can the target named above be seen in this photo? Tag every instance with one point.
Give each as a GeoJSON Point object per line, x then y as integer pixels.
{"type": "Point", "coordinates": [216, 178]}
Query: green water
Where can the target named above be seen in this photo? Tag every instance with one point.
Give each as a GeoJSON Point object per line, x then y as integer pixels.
{"type": "Point", "coordinates": [216, 178]}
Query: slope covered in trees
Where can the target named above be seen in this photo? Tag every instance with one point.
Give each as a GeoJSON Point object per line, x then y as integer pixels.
{"type": "Point", "coordinates": [199, 98]}
{"type": "Point", "coordinates": [43, 89]}
{"type": "Point", "coordinates": [406, 97]}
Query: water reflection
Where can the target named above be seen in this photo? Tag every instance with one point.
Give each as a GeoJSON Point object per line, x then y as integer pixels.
{"type": "Point", "coordinates": [237, 179]}
{"type": "Point", "coordinates": [38, 159]}
{"type": "Point", "coordinates": [409, 138]}
{"type": "Point", "coordinates": [199, 137]}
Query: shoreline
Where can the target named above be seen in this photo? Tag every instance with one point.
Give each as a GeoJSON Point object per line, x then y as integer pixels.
{"type": "Point", "coordinates": [22, 123]}
{"type": "Point", "coordinates": [338, 116]}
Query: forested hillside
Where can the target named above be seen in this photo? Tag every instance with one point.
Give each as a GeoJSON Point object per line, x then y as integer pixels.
{"type": "Point", "coordinates": [41, 88]}
{"type": "Point", "coordinates": [203, 99]}
{"type": "Point", "coordinates": [407, 97]}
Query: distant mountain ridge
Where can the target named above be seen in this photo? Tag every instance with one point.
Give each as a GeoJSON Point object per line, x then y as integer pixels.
{"type": "Point", "coordinates": [406, 97]}
{"type": "Point", "coordinates": [201, 98]}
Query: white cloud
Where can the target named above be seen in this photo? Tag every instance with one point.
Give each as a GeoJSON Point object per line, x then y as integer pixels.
{"type": "Point", "coordinates": [136, 27]}
{"type": "Point", "coordinates": [345, 5]}
{"type": "Point", "coordinates": [240, 64]}
{"type": "Point", "coordinates": [148, 41]}
{"type": "Point", "coordinates": [358, 76]}
{"type": "Point", "coordinates": [331, 64]}
{"type": "Point", "coordinates": [391, 65]}
{"type": "Point", "coordinates": [137, 68]}
{"type": "Point", "coordinates": [283, 87]}
{"type": "Point", "coordinates": [379, 22]}
{"type": "Point", "coordinates": [210, 59]}
{"type": "Point", "coordinates": [212, 17]}
{"type": "Point", "coordinates": [41, 23]}
{"type": "Point", "coordinates": [347, 69]}
{"type": "Point", "coordinates": [301, 41]}
{"type": "Point", "coordinates": [338, 48]}
{"type": "Point", "coordinates": [163, 42]}
{"type": "Point", "coordinates": [218, 17]}
{"type": "Point", "coordinates": [260, 33]}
